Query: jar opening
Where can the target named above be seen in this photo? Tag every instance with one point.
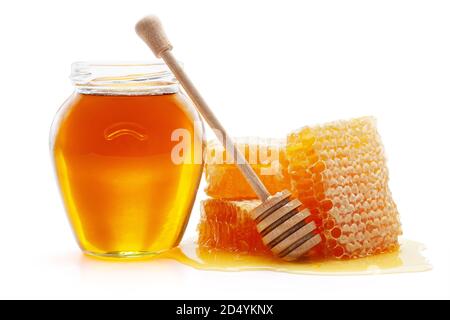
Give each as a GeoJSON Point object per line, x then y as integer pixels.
{"type": "Point", "coordinates": [123, 78]}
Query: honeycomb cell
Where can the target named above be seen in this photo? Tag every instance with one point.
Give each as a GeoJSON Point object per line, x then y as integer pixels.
{"type": "Point", "coordinates": [336, 233]}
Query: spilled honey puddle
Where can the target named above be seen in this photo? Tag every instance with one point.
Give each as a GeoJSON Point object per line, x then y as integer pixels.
{"type": "Point", "coordinates": [408, 259]}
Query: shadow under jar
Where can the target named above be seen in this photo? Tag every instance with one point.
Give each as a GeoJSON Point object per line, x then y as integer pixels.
{"type": "Point", "coordinates": [127, 153]}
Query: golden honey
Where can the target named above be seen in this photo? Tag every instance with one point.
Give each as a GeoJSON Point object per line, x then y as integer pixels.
{"type": "Point", "coordinates": [408, 258]}
{"type": "Point", "coordinates": [112, 150]}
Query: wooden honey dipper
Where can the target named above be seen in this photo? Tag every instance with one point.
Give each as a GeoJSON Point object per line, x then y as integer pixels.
{"type": "Point", "coordinates": [282, 226]}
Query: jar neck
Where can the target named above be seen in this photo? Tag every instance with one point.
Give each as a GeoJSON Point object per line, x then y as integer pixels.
{"type": "Point", "coordinates": [123, 78]}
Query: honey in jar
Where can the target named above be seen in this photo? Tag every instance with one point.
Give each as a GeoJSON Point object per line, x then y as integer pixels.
{"type": "Point", "coordinates": [113, 142]}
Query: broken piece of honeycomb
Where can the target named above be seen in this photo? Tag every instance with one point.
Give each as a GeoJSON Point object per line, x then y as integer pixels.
{"type": "Point", "coordinates": [266, 156]}
{"type": "Point", "coordinates": [227, 225]}
{"type": "Point", "coordinates": [338, 171]}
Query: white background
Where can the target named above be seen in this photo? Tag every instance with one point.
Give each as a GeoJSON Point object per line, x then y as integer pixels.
{"type": "Point", "coordinates": [266, 67]}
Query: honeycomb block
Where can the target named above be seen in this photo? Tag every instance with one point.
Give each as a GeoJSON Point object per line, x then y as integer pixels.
{"type": "Point", "coordinates": [225, 181]}
{"type": "Point", "coordinates": [338, 171]}
{"type": "Point", "coordinates": [227, 225]}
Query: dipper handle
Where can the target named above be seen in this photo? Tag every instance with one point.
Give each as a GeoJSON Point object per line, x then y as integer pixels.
{"type": "Point", "coordinates": [151, 31]}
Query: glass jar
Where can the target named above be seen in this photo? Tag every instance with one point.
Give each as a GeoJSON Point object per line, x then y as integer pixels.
{"type": "Point", "coordinates": [116, 149]}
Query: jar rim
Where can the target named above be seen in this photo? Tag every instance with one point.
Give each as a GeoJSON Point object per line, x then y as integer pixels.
{"type": "Point", "coordinates": [123, 77]}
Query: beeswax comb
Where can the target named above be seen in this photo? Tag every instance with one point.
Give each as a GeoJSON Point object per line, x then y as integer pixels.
{"type": "Point", "coordinates": [338, 170]}
{"type": "Point", "coordinates": [284, 228]}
